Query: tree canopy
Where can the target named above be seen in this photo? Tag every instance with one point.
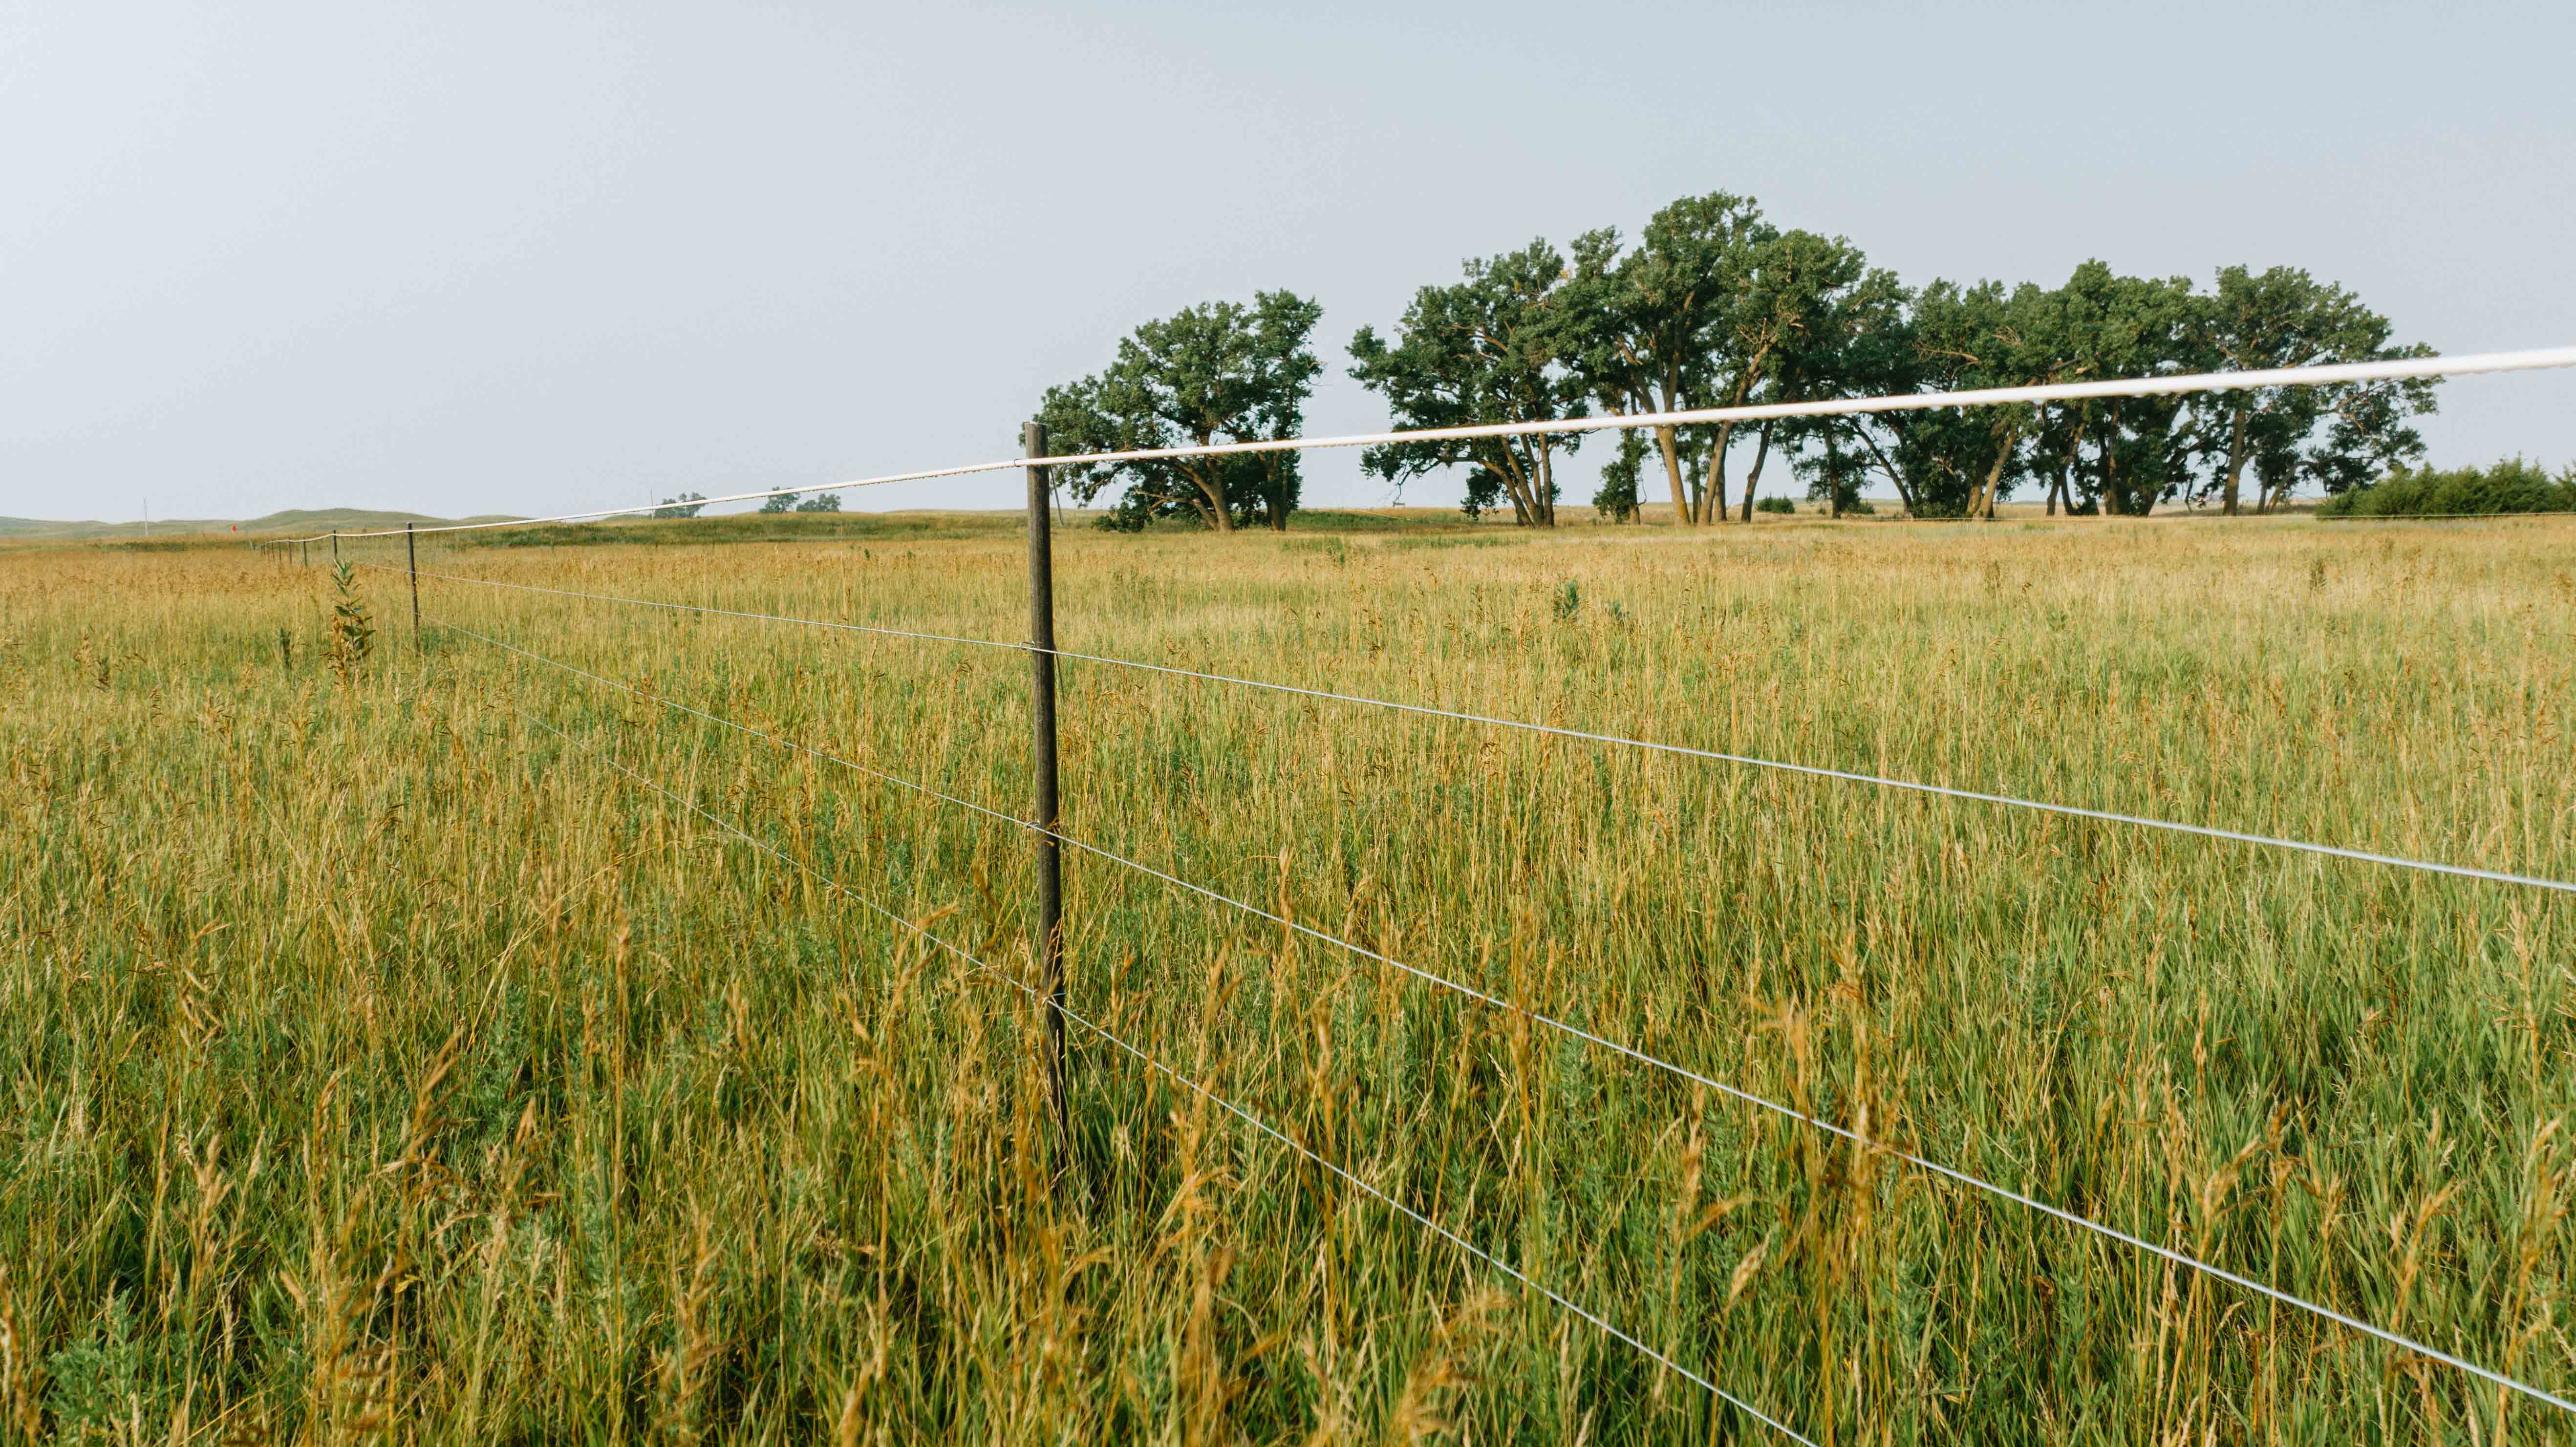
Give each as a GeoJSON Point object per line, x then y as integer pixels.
{"type": "Point", "coordinates": [1215, 373]}
{"type": "Point", "coordinates": [1715, 306]}
{"type": "Point", "coordinates": [1641, 324]}
{"type": "Point", "coordinates": [1484, 350]}
{"type": "Point", "coordinates": [2285, 318]}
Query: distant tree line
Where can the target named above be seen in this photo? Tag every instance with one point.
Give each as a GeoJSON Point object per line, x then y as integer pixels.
{"type": "Point", "coordinates": [778, 502]}
{"type": "Point", "coordinates": [1712, 305]}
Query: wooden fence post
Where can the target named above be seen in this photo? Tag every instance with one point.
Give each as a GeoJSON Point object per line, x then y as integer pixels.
{"type": "Point", "coordinates": [411, 555]}
{"type": "Point", "coordinates": [1047, 943]}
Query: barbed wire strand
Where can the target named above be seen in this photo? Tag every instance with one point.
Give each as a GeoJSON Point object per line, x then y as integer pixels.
{"type": "Point", "coordinates": [2204, 831]}
{"type": "Point", "coordinates": [1737, 1093]}
{"type": "Point", "coordinates": [2399, 369]}
{"type": "Point", "coordinates": [1453, 1238]}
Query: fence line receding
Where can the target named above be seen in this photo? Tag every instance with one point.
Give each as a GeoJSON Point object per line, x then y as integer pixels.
{"type": "Point", "coordinates": [1048, 834]}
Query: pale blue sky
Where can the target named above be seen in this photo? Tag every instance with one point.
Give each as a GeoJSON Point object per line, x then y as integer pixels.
{"type": "Point", "coordinates": [532, 257]}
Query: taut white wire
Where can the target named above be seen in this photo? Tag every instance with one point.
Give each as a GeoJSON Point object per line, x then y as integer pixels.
{"type": "Point", "coordinates": [1733, 1092]}
{"type": "Point", "coordinates": [1461, 1242]}
{"type": "Point", "coordinates": [2395, 861]}
{"type": "Point", "coordinates": [1814, 771]}
{"type": "Point", "coordinates": [2398, 370]}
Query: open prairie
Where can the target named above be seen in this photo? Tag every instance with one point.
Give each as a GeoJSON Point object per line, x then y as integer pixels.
{"type": "Point", "coordinates": [380, 1061]}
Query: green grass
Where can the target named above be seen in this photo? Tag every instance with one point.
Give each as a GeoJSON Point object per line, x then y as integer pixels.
{"type": "Point", "coordinates": [379, 1062]}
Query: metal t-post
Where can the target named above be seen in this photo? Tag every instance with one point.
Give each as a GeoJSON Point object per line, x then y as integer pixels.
{"type": "Point", "coordinates": [411, 555]}
{"type": "Point", "coordinates": [1047, 943]}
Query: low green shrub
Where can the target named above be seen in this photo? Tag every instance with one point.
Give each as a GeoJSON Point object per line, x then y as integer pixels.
{"type": "Point", "coordinates": [2510, 486]}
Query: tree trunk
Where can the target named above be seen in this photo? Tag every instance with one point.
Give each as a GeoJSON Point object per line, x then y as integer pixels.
{"type": "Point", "coordinates": [1211, 485]}
{"type": "Point", "coordinates": [1981, 503]}
{"type": "Point", "coordinates": [2235, 462]}
{"type": "Point", "coordinates": [2066, 464]}
{"type": "Point", "coordinates": [1712, 495]}
{"type": "Point", "coordinates": [2124, 499]}
{"type": "Point", "coordinates": [1753, 479]}
{"type": "Point", "coordinates": [1887, 464]}
{"type": "Point", "coordinates": [1196, 497]}
{"type": "Point", "coordinates": [1545, 487]}
{"type": "Point", "coordinates": [1673, 474]}
{"type": "Point", "coordinates": [1521, 483]}
{"type": "Point", "coordinates": [1713, 498]}
{"type": "Point", "coordinates": [1275, 495]}
{"type": "Point", "coordinates": [1833, 472]}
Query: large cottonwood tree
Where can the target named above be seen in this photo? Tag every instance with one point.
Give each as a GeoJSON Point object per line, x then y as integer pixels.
{"type": "Point", "coordinates": [1809, 294]}
{"type": "Point", "coordinates": [1483, 350]}
{"type": "Point", "coordinates": [2120, 455]}
{"type": "Point", "coordinates": [1216, 373]}
{"type": "Point", "coordinates": [1640, 325]}
{"type": "Point", "coordinates": [2284, 317]}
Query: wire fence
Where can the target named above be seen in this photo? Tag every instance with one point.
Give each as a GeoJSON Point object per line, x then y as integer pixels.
{"type": "Point", "coordinates": [1146, 1058]}
{"type": "Point", "coordinates": [1048, 834]}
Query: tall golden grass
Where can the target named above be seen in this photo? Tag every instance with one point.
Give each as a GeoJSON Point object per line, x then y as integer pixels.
{"type": "Point", "coordinates": [380, 1064]}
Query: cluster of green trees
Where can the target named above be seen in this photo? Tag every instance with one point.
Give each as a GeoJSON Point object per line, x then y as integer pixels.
{"type": "Point", "coordinates": [2512, 485]}
{"type": "Point", "coordinates": [1714, 306]}
{"type": "Point", "coordinates": [816, 502]}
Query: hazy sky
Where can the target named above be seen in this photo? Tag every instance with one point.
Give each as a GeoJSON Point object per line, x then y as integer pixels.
{"type": "Point", "coordinates": [463, 257]}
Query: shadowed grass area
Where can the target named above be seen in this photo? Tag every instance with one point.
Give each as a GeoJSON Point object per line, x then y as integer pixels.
{"type": "Point", "coordinates": [380, 1062]}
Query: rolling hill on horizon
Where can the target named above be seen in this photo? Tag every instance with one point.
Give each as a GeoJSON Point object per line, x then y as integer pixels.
{"type": "Point", "coordinates": [290, 520]}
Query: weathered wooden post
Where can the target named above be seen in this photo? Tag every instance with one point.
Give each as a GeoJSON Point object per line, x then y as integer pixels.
{"type": "Point", "coordinates": [1047, 943]}
{"type": "Point", "coordinates": [411, 555]}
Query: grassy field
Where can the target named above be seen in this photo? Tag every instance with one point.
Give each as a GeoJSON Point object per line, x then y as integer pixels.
{"type": "Point", "coordinates": [379, 1062]}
